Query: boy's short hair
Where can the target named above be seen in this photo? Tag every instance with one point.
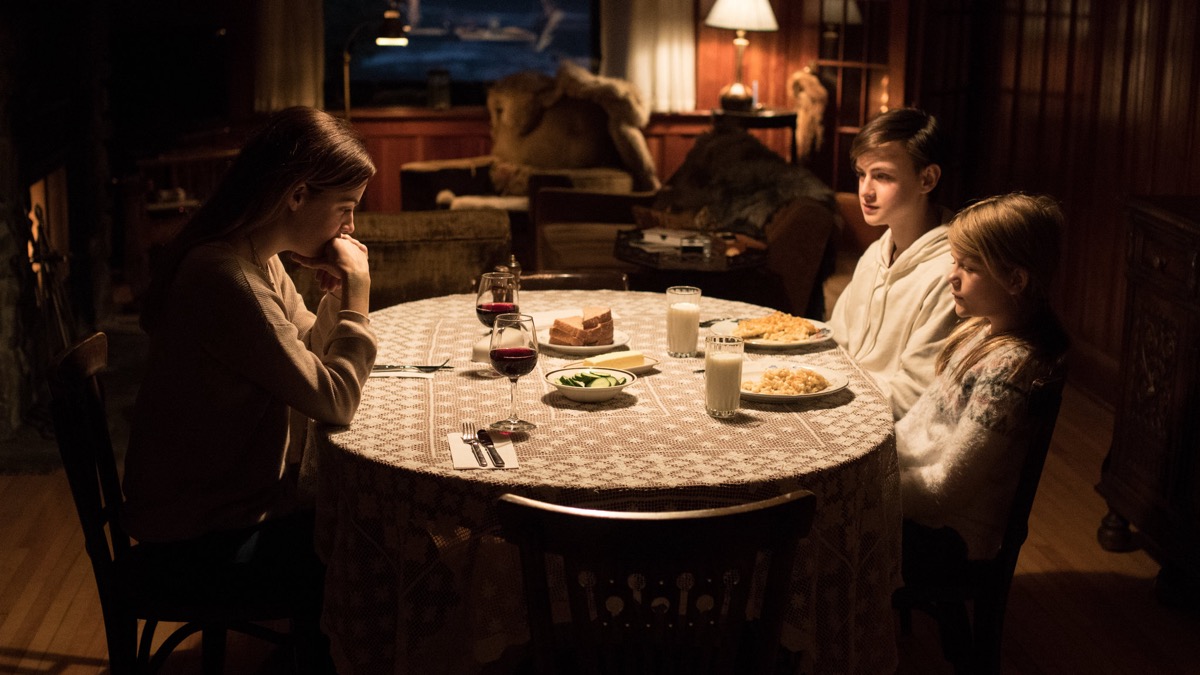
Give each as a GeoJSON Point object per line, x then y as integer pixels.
{"type": "Point", "coordinates": [916, 129]}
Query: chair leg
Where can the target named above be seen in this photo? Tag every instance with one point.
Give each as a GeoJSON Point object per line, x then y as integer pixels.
{"type": "Point", "coordinates": [212, 650]}
{"type": "Point", "coordinates": [954, 631]}
{"type": "Point", "coordinates": [310, 648]}
{"type": "Point", "coordinates": [121, 634]}
{"type": "Point", "coordinates": [988, 628]}
{"type": "Point", "coordinates": [905, 620]}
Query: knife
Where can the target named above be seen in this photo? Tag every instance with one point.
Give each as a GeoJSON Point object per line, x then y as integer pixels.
{"type": "Point", "coordinates": [491, 448]}
{"type": "Point", "coordinates": [708, 323]}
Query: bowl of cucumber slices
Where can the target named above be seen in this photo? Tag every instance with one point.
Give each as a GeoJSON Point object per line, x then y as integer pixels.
{"type": "Point", "coordinates": [590, 385]}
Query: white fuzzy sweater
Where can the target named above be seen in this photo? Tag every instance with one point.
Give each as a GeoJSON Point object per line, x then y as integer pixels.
{"type": "Point", "coordinates": [962, 445]}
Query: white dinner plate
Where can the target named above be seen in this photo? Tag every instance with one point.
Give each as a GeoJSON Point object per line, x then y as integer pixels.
{"type": "Point", "coordinates": [752, 370]}
{"type": "Point", "coordinates": [619, 339]}
{"type": "Point", "coordinates": [647, 364]}
{"type": "Point", "coordinates": [823, 333]}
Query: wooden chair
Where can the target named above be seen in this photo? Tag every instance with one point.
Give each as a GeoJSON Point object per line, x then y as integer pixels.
{"type": "Point", "coordinates": [971, 640]}
{"type": "Point", "coordinates": [589, 280]}
{"type": "Point", "coordinates": [658, 592]}
{"type": "Point", "coordinates": [133, 585]}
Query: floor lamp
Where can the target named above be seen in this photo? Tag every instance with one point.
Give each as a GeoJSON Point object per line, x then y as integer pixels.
{"type": "Point", "coordinates": [741, 16]}
{"type": "Point", "coordinates": [393, 32]}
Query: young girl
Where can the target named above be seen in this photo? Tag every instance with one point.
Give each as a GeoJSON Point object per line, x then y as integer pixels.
{"type": "Point", "coordinates": [960, 444]}
{"type": "Point", "coordinates": [237, 363]}
{"type": "Point", "coordinates": [896, 312]}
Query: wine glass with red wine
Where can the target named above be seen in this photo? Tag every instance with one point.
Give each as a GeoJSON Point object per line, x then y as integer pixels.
{"type": "Point", "coordinates": [497, 295]}
{"type": "Point", "coordinates": [513, 353]}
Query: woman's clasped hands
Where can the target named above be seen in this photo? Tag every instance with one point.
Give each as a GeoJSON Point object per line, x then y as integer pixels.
{"type": "Point", "coordinates": [342, 257]}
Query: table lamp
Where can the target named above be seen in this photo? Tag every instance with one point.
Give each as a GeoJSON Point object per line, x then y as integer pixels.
{"type": "Point", "coordinates": [741, 16]}
{"type": "Point", "coordinates": [836, 14]}
{"type": "Point", "coordinates": [392, 32]}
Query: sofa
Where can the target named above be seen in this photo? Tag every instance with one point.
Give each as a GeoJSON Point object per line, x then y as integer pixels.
{"type": "Point", "coordinates": [422, 254]}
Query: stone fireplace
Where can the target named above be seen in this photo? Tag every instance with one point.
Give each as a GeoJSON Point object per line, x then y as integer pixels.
{"type": "Point", "coordinates": [55, 215]}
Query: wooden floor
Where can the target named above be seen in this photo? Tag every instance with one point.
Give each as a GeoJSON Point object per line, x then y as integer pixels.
{"type": "Point", "coordinates": [1074, 608]}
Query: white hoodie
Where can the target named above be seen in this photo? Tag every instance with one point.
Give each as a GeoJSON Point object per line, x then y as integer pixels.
{"type": "Point", "coordinates": [893, 319]}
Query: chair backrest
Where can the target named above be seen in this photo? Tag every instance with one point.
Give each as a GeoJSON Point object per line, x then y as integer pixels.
{"type": "Point", "coordinates": [659, 592]}
{"type": "Point", "coordinates": [856, 234]}
{"type": "Point", "coordinates": [81, 428]}
{"type": "Point", "coordinates": [801, 254]}
{"type": "Point", "coordinates": [590, 280]}
{"type": "Point", "coordinates": [1045, 399]}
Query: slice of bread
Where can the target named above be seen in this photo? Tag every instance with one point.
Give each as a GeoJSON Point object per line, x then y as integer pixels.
{"type": "Point", "coordinates": [568, 331]}
{"type": "Point", "coordinates": [595, 327]}
{"type": "Point", "coordinates": [600, 335]}
{"type": "Point", "coordinates": [594, 316]}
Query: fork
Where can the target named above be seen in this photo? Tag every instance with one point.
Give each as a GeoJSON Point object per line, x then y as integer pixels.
{"type": "Point", "coordinates": [423, 369]}
{"type": "Point", "coordinates": [468, 436]}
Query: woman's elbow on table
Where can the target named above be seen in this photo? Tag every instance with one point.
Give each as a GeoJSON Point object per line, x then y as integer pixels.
{"type": "Point", "coordinates": [338, 404]}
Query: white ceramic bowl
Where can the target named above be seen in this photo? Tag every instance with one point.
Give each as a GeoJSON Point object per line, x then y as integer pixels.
{"type": "Point", "coordinates": [590, 394]}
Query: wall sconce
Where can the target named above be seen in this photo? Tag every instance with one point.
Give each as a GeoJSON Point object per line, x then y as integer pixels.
{"type": "Point", "coordinates": [392, 32]}
{"type": "Point", "coordinates": [741, 16]}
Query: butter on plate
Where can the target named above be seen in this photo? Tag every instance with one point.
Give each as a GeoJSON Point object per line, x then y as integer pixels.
{"type": "Point", "coordinates": [623, 360]}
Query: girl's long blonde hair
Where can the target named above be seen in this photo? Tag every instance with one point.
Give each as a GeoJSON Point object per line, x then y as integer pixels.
{"type": "Point", "coordinates": [1008, 233]}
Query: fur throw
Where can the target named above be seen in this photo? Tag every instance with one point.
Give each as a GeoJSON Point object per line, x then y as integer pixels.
{"type": "Point", "coordinates": [574, 120]}
{"type": "Point", "coordinates": [532, 123]}
{"type": "Point", "coordinates": [620, 99]}
{"type": "Point", "coordinates": [808, 100]}
{"type": "Point", "coordinates": [739, 182]}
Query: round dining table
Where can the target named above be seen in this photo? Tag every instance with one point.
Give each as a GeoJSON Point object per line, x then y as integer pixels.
{"type": "Point", "coordinates": [419, 579]}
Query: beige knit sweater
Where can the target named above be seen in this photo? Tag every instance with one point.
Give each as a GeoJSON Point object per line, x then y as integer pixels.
{"type": "Point", "coordinates": [236, 366]}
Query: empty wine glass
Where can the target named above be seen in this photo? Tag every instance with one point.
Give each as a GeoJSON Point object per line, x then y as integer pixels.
{"type": "Point", "coordinates": [497, 295]}
{"type": "Point", "coordinates": [513, 353]}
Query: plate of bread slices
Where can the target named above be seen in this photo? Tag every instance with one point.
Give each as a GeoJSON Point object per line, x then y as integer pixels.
{"type": "Point", "coordinates": [778, 330]}
{"type": "Point", "coordinates": [590, 332]}
{"type": "Point", "coordinates": [629, 359]}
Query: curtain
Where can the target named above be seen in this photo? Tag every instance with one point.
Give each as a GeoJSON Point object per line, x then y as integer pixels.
{"type": "Point", "coordinates": [289, 65]}
{"type": "Point", "coordinates": [652, 43]}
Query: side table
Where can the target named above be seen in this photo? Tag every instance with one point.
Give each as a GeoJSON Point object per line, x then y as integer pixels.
{"type": "Point", "coordinates": [763, 118]}
{"type": "Point", "coordinates": [743, 277]}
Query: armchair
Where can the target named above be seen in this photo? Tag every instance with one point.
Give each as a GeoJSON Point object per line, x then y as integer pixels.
{"type": "Point", "coordinates": [573, 130]}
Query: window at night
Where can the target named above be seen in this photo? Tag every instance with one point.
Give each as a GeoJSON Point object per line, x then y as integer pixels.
{"type": "Point", "coordinates": [467, 43]}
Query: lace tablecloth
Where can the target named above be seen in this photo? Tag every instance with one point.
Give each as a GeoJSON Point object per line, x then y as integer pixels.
{"type": "Point", "coordinates": [420, 582]}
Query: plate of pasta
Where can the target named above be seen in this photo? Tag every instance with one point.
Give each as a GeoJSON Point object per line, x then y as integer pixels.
{"type": "Point", "coordinates": [778, 330]}
{"type": "Point", "coordinates": [781, 381]}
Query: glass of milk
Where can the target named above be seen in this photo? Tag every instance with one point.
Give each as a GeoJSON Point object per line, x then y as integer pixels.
{"type": "Point", "coordinates": [722, 375]}
{"type": "Point", "coordinates": [683, 321]}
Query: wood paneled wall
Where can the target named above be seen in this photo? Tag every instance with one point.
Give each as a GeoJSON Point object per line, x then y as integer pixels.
{"type": "Point", "coordinates": [1090, 102]}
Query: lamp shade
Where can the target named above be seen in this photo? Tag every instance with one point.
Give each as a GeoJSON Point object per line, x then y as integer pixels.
{"type": "Point", "coordinates": [841, 11]}
{"type": "Point", "coordinates": [393, 32]}
{"type": "Point", "coordinates": [742, 15]}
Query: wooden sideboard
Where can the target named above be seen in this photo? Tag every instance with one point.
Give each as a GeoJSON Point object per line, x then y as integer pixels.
{"type": "Point", "coordinates": [1151, 477]}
